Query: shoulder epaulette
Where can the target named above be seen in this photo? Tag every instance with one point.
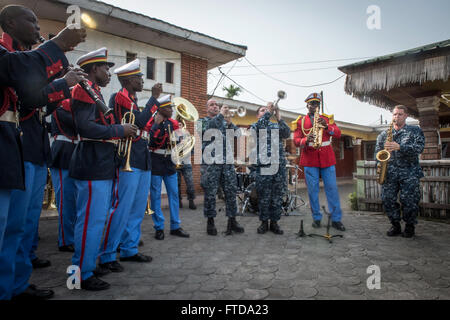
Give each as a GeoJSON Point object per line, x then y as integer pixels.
{"type": "Point", "coordinates": [294, 124]}
{"type": "Point", "coordinates": [330, 118]}
{"type": "Point", "coordinates": [78, 93]}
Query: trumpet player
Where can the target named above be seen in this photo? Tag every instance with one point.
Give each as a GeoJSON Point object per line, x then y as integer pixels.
{"type": "Point", "coordinates": [133, 183]}
{"type": "Point", "coordinates": [270, 187]}
{"type": "Point", "coordinates": [221, 173]}
{"type": "Point", "coordinates": [318, 159]}
{"type": "Point", "coordinates": [93, 165]}
{"type": "Point", "coordinates": [403, 172]}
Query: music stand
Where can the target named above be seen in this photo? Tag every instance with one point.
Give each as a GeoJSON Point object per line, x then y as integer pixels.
{"type": "Point", "coordinates": [327, 236]}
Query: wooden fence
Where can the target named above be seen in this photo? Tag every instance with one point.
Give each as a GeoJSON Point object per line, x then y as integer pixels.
{"type": "Point", "coordinates": [435, 195]}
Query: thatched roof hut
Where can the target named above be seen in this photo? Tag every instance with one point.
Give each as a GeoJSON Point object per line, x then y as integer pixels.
{"type": "Point", "coordinates": [402, 77]}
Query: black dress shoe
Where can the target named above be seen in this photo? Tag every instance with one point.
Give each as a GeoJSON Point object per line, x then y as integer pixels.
{"type": "Point", "coordinates": [179, 233]}
{"type": "Point", "coordinates": [33, 293]}
{"type": "Point", "coordinates": [67, 248]}
{"type": "Point", "coordinates": [159, 235]}
{"type": "Point", "coordinates": [100, 271]}
{"type": "Point", "coordinates": [113, 266]}
{"type": "Point", "coordinates": [40, 263]}
{"type": "Point", "coordinates": [338, 225]}
{"type": "Point", "coordinates": [137, 258]}
{"type": "Point", "coordinates": [94, 284]}
{"type": "Point", "coordinates": [316, 224]}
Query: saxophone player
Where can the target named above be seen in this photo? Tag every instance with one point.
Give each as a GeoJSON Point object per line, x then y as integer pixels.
{"type": "Point", "coordinates": [403, 172]}
{"type": "Point", "coordinates": [318, 159]}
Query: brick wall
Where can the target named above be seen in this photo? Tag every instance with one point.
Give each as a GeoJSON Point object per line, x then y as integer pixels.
{"type": "Point", "coordinates": [194, 88]}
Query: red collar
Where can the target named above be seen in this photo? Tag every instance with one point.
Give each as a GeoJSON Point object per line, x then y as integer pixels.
{"type": "Point", "coordinates": [128, 95]}
{"type": "Point", "coordinates": [8, 42]}
{"type": "Point", "coordinates": [95, 86]}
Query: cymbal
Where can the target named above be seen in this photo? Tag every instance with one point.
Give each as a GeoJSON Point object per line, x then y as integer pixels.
{"type": "Point", "coordinates": [290, 166]}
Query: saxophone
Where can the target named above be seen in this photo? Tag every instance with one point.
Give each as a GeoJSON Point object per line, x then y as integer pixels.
{"type": "Point", "coordinates": [317, 130]}
{"type": "Point", "coordinates": [383, 157]}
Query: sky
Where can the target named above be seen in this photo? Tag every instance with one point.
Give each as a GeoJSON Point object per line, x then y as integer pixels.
{"type": "Point", "coordinates": [293, 41]}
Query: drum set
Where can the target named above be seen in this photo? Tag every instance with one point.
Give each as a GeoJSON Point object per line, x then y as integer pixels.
{"type": "Point", "coordinates": [247, 196]}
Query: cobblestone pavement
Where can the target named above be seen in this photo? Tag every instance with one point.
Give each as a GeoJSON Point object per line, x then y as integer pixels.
{"type": "Point", "coordinates": [269, 266]}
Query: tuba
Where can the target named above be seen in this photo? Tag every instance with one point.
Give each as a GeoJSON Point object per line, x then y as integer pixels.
{"type": "Point", "coordinates": [383, 157]}
{"type": "Point", "coordinates": [185, 111]}
{"type": "Point", "coordinates": [124, 146]}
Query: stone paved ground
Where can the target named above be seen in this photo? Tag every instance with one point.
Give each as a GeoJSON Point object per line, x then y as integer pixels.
{"type": "Point", "coordinates": [253, 266]}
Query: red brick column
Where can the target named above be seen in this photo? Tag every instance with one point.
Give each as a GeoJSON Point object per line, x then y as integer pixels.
{"type": "Point", "coordinates": [194, 86]}
{"type": "Point", "coordinates": [428, 108]}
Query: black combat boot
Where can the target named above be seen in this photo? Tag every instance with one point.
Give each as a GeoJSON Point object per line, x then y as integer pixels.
{"type": "Point", "coordinates": [409, 231]}
{"type": "Point", "coordinates": [275, 228]}
{"type": "Point", "coordinates": [395, 230]}
{"type": "Point", "coordinates": [192, 205]}
{"type": "Point", "coordinates": [235, 226]}
{"type": "Point", "coordinates": [211, 228]}
{"type": "Point", "coordinates": [263, 227]}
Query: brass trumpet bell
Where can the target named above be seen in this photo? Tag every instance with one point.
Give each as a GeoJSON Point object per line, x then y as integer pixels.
{"type": "Point", "coordinates": [185, 109]}
{"type": "Point", "coordinates": [240, 112]}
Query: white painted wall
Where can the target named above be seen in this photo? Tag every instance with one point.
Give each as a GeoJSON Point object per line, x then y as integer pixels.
{"type": "Point", "coordinates": [117, 48]}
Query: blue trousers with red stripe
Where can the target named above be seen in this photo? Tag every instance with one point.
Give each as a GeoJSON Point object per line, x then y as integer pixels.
{"type": "Point", "coordinates": [65, 196]}
{"type": "Point", "coordinates": [5, 199]}
{"type": "Point", "coordinates": [21, 232]}
{"type": "Point", "coordinates": [171, 183]}
{"type": "Point", "coordinates": [93, 204]}
{"type": "Point", "coordinates": [312, 175]}
{"type": "Point", "coordinates": [124, 222]}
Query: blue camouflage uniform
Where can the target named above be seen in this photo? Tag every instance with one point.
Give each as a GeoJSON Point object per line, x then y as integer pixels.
{"type": "Point", "coordinates": [27, 81]}
{"type": "Point", "coordinates": [220, 174]}
{"type": "Point", "coordinates": [403, 173]}
{"type": "Point", "coordinates": [125, 218]}
{"type": "Point", "coordinates": [270, 188]}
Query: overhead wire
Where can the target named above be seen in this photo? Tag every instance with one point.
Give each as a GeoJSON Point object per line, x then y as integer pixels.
{"type": "Point", "coordinates": [293, 84]}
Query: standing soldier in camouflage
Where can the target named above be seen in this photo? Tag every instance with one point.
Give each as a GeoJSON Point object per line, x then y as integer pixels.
{"type": "Point", "coordinates": [223, 174]}
{"type": "Point", "coordinates": [212, 110]}
{"type": "Point", "coordinates": [270, 187]}
{"type": "Point", "coordinates": [403, 172]}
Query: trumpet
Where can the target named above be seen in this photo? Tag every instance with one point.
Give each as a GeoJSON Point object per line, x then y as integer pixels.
{"type": "Point", "coordinates": [240, 112]}
{"type": "Point", "coordinates": [124, 146]}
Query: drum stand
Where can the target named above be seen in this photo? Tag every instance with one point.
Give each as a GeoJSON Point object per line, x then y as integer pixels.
{"type": "Point", "coordinates": [327, 236]}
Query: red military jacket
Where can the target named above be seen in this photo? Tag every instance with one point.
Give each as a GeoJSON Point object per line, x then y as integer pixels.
{"type": "Point", "coordinates": [324, 156]}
